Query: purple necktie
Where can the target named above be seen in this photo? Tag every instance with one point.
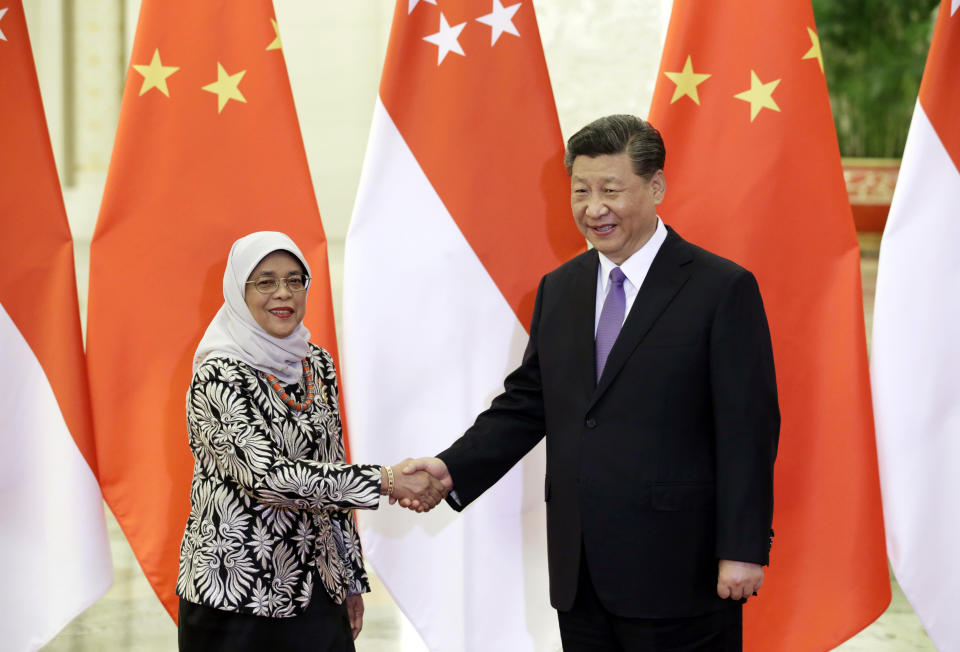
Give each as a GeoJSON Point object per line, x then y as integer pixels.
{"type": "Point", "coordinates": [611, 318]}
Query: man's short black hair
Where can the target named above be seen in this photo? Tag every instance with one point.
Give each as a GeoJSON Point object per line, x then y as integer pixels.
{"type": "Point", "coordinates": [615, 134]}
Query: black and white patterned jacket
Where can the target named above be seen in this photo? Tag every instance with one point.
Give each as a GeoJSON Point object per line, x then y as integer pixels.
{"type": "Point", "coordinates": [271, 498]}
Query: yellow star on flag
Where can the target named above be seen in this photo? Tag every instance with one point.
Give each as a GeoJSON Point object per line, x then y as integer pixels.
{"type": "Point", "coordinates": [155, 74]}
{"type": "Point", "coordinates": [814, 51]}
{"type": "Point", "coordinates": [760, 95]}
{"type": "Point", "coordinates": [275, 44]}
{"type": "Point", "coordinates": [226, 88]}
{"type": "Point", "coordinates": [687, 82]}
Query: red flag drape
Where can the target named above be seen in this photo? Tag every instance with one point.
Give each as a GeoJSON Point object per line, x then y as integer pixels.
{"type": "Point", "coordinates": [915, 360]}
{"type": "Point", "coordinates": [39, 292]}
{"type": "Point", "coordinates": [754, 174]}
{"type": "Point", "coordinates": [53, 534]}
{"type": "Point", "coordinates": [465, 199]}
{"type": "Point", "coordinates": [484, 128]}
{"type": "Point", "coordinates": [208, 149]}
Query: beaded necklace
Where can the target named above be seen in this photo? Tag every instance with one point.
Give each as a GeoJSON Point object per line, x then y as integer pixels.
{"type": "Point", "coordinates": [286, 398]}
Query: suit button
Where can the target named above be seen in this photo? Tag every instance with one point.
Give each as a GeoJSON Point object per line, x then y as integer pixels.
{"type": "Point", "coordinates": [591, 423]}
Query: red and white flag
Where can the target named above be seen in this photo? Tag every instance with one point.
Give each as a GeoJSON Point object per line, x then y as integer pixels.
{"type": "Point", "coordinates": [915, 361]}
{"type": "Point", "coordinates": [208, 149]}
{"type": "Point", "coordinates": [53, 538]}
{"type": "Point", "coordinates": [754, 174]}
{"type": "Point", "coordinates": [463, 205]}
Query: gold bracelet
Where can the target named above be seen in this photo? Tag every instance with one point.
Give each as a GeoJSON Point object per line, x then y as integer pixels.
{"type": "Point", "coordinates": [390, 481]}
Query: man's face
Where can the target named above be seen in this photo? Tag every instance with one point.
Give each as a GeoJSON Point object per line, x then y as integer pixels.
{"type": "Point", "coordinates": [615, 209]}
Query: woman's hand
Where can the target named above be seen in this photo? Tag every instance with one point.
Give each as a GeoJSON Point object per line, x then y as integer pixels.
{"type": "Point", "coordinates": [355, 612]}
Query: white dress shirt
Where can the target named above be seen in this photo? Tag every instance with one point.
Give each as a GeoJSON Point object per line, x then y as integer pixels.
{"type": "Point", "coordinates": [635, 268]}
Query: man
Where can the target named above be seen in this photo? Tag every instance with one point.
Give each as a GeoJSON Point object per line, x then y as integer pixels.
{"type": "Point", "coordinates": [649, 369]}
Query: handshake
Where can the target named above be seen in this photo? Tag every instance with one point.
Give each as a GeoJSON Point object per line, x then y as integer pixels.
{"type": "Point", "coordinates": [417, 484]}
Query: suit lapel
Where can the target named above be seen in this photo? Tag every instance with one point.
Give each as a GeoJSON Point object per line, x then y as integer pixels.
{"type": "Point", "coordinates": [666, 276]}
{"type": "Point", "coordinates": [583, 301]}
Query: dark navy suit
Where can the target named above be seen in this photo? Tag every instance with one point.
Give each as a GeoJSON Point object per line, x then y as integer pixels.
{"type": "Point", "coordinates": [665, 465]}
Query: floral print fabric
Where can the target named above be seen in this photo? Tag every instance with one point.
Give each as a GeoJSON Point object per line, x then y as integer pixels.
{"type": "Point", "coordinates": [271, 497]}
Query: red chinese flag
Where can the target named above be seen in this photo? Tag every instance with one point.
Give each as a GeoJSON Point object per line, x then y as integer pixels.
{"type": "Point", "coordinates": [753, 173]}
{"type": "Point", "coordinates": [208, 149]}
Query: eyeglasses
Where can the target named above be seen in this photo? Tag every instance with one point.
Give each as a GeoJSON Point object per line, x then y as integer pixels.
{"type": "Point", "coordinates": [269, 284]}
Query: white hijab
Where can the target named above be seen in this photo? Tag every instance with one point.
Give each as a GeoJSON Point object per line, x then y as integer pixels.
{"type": "Point", "coordinates": [234, 333]}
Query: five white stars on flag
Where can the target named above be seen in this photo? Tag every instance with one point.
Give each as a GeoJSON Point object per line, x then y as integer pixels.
{"type": "Point", "coordinates": [2, 12]}
{"type": "Point", "coordinates": [446, 39]}
{"type": "Point", "coordinates": [500, 21]}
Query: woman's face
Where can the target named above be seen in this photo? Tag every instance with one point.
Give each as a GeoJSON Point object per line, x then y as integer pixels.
{"type": "Point", "coordinates": [281, 311]}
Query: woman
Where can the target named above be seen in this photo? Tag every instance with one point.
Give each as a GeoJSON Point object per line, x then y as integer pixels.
{"type": "Point", "coordinates": [270, 558]}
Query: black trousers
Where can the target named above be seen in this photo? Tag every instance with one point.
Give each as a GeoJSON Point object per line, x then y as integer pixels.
{"type": "Point", "coordinates": [323, 627]}
{"type": "Point", "coordinates": [589, 627]}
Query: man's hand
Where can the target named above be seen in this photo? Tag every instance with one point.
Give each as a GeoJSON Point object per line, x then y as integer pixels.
{"type": "Point", "coordinates": [738, 579]}
{"type": "Point", "coordinates": [416, 490]}
{"type": "Point", "coordinates": [432, 465]}
{"type": "Point", "coordinates": [355, 612]}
